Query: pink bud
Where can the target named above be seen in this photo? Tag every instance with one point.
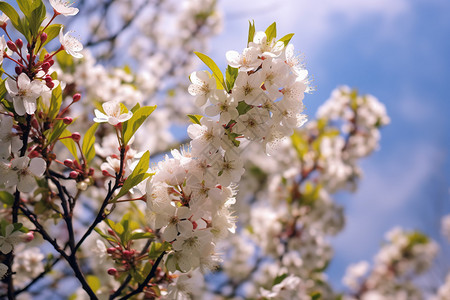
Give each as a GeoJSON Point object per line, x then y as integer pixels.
{"type": "Point", "coordinates": [48, 78]}
{"type": "Point", "coordinates": [67, 120]}
{"type": "Point", "coordinates": [47, 55]}
{"type": "Point", "coordinates": [45, 66]}
{"type": "Point", "coordinates": [91, 171]}
{"type": "Point", "coordinates": [50, 84]}
{"type": "Point", "coordinates": [105, 173]}
{"type": "Point", "coordinates": [76, 136]}
{"type": "Point", "coordinates": [11, 46]}
{"type": "Point", "coordinates": [128, 253]}
{"type": "Point", "coordinates": [68, 163]}
{"type": "Point", "coordinates": [76, 97]}
{"type": "Point", "coordinates": [19, 43]}
{"type": "Point", "coordinates": [73, 174]}
{"type": "Point", "coordinates": [111, 250]}
{"type": "Point", "coordinates": [29, 236]}
{"type": "Point", "coordinates": [35, 124]}
{"type": "Point", "coordinates": [43, 37]}
{"type": "Point", "coordinates": [110, 231]}
{"type": "Point", "coordinates": [33, 154]}
{"type": "Point", "coordinates": [51, 62]}
{"type": "Point", "coordinates": [112, 271]}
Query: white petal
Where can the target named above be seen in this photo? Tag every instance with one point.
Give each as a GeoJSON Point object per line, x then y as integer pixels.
{"type": "Point", "coordinates": [26, 184]}
{"type": "Point", "coordinates": [37, 166]}
{"type": "Point", "coordinates": [18, 106]}
{"type": "Point", "coordinates": [23, 81]}
{"type": "Point", "coordinates": [170, 233]}
{"type": "Point", "coordinates": [30, 105]}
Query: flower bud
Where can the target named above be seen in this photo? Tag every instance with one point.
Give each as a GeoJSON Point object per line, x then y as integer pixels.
{"type": "Point", "coordinates": [11, 46]}
{"type": "Point", "coordinates": [45, 66]}
{"type": "Point", "coordinates": [76, 137]}
{"type": "Point", "coordinates": [68, 163]}
{"type": "Point", "coordinates": [105, 173]}
{"type": "Point", "coordinates": [29, 236]}
{"type": "Point", "coordinates": [73, 174]}
{"type": "Point", "coordinates": [35, 124]}
{"type": "Point", "coordinates": [50, 84]}
{"type": "Point", "coordinates": [18, 70]}
{"type": "Point", "coordinates": [128, 254]}
{"type": "Point", "coordinates": [77, 164]}
{"type": "Point", "coordinates": [51, 62]}
{"type": "Point", "coordinates": [33, 154]}
{"type": "Point", "coordinates": [111, 232]}
{"type": "Point", "coordinates": [76, 97]}
{"type": "Point", "coordinates": [111, 250]}
{"type": "Point", "coordinates": [48, 78]}
{"type": "Point", "coordinates": [19, 43]}
{"type": "Point", "coordinates": [46, 56]}
{"type": "Point", "coordinates": [91, 171]}
{"type": "Point", "coordinates": [43, 37]}
{"type": "Point", "coordinates": [112, 271]}
{"type": "Point", "coordinates": [67, 120]}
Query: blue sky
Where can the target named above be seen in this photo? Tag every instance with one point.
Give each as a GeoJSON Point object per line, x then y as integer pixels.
{"type": "Point", "coordinates": [399, 52]}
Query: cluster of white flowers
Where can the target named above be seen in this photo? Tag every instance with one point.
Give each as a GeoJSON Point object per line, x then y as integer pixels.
{"type": "Point", "coordinates": [404, 255]}
{"type": "Point", "coordinates": [189, 196]}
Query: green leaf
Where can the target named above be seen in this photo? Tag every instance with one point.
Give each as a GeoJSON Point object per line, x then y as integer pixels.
{"type": "Point", "coordinates": [279, 279]}
{"type": "Point", "coordinates": [214, 69]}
{"type": "Point", "coordinates": [69, 143]}
{"type": "Point", "coordinates": [94, 282]}
{"type": "Point", "coordinates": [156, 249]}
{"type": "Point", "coordinates": [11, 13]}
{"type": "Point", "coordinates": [55, 102]}
{"type": "Point", "coordinates": [36, 17]}
{"type": "Point", "coordinates": [132, 125]}
{"type": "Point", "coordinates": [316, 296]}
{"type": "Point", "coordinates": [195, 119]}
{"type": "Point", "coordinates": [243, 107]}
{"type": "Point", "coordinates": [142, 235]}
{"type": "Point", "coordinates": [54, 133]}
{"type": "Point", "coordinates": [251, 31]}
{"type": "Point", "coordinates": [271, 32]}
{"type": "Point", "coordinates": [231, 75]}
{"type": "Point", "coordinates": [65, 61]}
{"type": "Point", "coordinates": [25, 6]}
{"type": "Point", "coordinates": [137, 176]}
{"type": "Point", "coordinates": [88, 143]}
{"type": "Point", "coordinates": [6, 198]}
{"type": "Point", "coordinates": [286, 39]}
{"type": "Point", "coordinates": [2, 89]}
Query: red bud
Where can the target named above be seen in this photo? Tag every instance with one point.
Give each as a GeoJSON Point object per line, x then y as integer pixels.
{"type": "Point", "coordinates": [112, 271]}
{"type": "Point", "coordinates": [76, 136]}
{"type": "Point", "coordinates": [19, 43]}
{"type": "Point", "coordinates": [76, 97]}
{"type": "Point", "coordinates": [67, 120]}
{"type": "Point", "coordinates": [68, 163]}
{"type": "Point", "coordinates": [43, 37]}
{"type": "Point", "coordinates": [73, 174]}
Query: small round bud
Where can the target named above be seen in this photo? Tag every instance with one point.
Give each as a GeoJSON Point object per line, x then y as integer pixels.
{"type": "Point", "coordinates": [48, 78]}
{"type": "Point", "coordinates": [29, 236]}
{"type": "Point", "coordinates": [45, 66]}
{"type": "Point", "coordinates": [33, 154]}
{"type": "Point", "coordinates": [105, 173]}
{"type": "Point", "coordinates": [51, 62]}
{"type": "Point", "coordinates": [76, 137]}
{"type": "Point", "coordinates": [18, 70]}
{"type": "Point", "coordinates": [50, 84]}
{"type": "Point", "coordinates": [128, 253]}
{"type": "Point", "coordinates": [68, 163]}
{"type": "Point", "coordinates": [67, 120]}
{"type": "Point", "coordinates": [73, 174]}
{"type": "Point", "coordinates": [77, 164]}
{"type": "Point", "coordinates": [91, 171]}
{"type": "Point", "coordinates": [19, 43]}
{"type": "Point", "coordinates": [43, 37]}
{"type": "Point", "coordinates": [11, 46]}
{"type": "Point", "coordinates": [110, 231]}
{"type": "Point", "coordinates": [111, 250]}
{"type": "Point", "coordinates": [35, 124]}
{"type": "Point", "coordinates": [46, 56]}
{"type": "Point", "coordinates": [76, 97]}
{"type": "Point", "coordinates": [112, 271]}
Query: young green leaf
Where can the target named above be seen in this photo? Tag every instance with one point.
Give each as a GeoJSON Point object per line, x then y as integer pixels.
{"type": "Point", "coordinates": [251, 31]}
{"type": "Point", "coordinates": [11, 13]}
{"type": "Point", "coordinates": [286, 39]}
{"type": "Point", "coordinates": [88, 143]}
{"type": "Point", "coordinates": [55, 102]}
{"type": "Point", "coordinates": [195, 118]}
{"type": "Point", "coordinates": [137, 176]}
{"type": "Point", "coordinates": [132, 125]}
{"type": "Point", "coordinates": [271, 32]}
{"type": "Point", "coordinates": [214, 69]}
{"type": "Point", "coordinates": [36, 16]}
{"type": "Point", "coordinates": [54, 133]}
{"type": "Point", "coordinates": [6, 198]}
{"type": "Point", "coordinates": [230, 76]}
{"type": "Point", "coordinates": [69, 143]}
